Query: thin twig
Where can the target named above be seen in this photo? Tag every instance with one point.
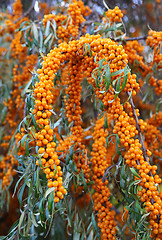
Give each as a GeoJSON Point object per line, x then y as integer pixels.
{"type": "Point", "coordinates": [129, 39]}
{"type": "Point", "coordinates": [136, 38]}
{"type": "Point", "coordinates": [89, 22]}
{"type": "Point", "coordinates": [106, 172]}
{"type": "Point", "coordinates": [144, 150]}
{"type": "Point", "coordinates": [27, 12]}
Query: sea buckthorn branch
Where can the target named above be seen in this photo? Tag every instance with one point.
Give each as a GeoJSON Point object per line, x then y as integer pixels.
{"type": "Point", "coordinates": [73, 144]}
{"type": "Point", "coordinates": [69, 50]}
{"type": "Point", "coordinates": [80, 55]}
{"type": "Point", "coordinates": [101, 160]}
{"type": "Point", "coordinates": [43, 94]}
{"type": "Point", "coordinates": [143, 173]}
{"type": "Point", "coordinates": [133, 38]}
{"type": "Point", "coordinates": [148, 72]}
{"type": "Point", "coordinates": [107, 172]}
{"type": "Point", "coordinates": [153, 139]}
{"type": "Point", "coordinates": [72, 105]}
{"type": "Point", "coordinates": [128, 141]}
{"type": "Point", "coordinates": [144, 150]}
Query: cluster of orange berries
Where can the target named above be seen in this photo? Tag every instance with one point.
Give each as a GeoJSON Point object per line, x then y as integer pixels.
{"type": "Point", "coordinates": [14, 20]}
{"type": "Point", "coordinates": [153, 138]}
{"type": "Point", "coordinates": [18, 50]}
{"type": "Point", "coordinates": [154, 38]}
{"type": "Point", "coordinates": [114, 15]}
{"type": "Point", "coordinates": [124, 123]}
{"type": "Point", "coordinates": [157, 84]}
{"type": "Point", "coordinates": [2, 51]}
{"type": "Point", "coordinates": [112, 53]}
{"type": "Point", "coordinates": [127, 130]}
{"type": "Point", "coordinates": [50, 163]}
{"type": "Point", "coordinates": [74, 53]}
{"type": "Point", "coordinates": [79, 152]}
{"type": "Point", "coordinates": [72, 101]}
{"type": "Point", "coordinates": [15, 104]}
{"type": "Point", "coordinates": [44, 138]}
{"type": "Point", "coordinates": [43, 7]}
{"type": "Point", "coordinates": [17, 8]}
{"type": "Point", "coordinates": [101, 160]}
{"type": "Point", "coordinates": [5, 171]}
{"type": "Point", "coordinates": [42, 91]}
{"type": "Point", "coordinates": [134, 158]}
{"type": "Point", "coordinates": [156, 119]}
{"type": "Point", "coordinates": [68, 28]}
{"type": "Point", "coordinates": [133, 49]}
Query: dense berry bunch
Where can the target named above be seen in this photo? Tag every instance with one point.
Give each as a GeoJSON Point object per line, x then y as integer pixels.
{"type": "Point", "coordinates": [114, 15]}
{"type": "Point", "coordinates": [154, 38]}
{"type": "Point", "coordinates": [97, 77]}
{"type": "Point", "coordinates": [101, 160]}
{"type": "Point", "coordinates": [68, 26]}
{"type": "Point", "coordinates": [21, 74]}
{"type": "Point", "coordinates": [49, 159]}
{"type": "Point", "coordinates": [124, 123]}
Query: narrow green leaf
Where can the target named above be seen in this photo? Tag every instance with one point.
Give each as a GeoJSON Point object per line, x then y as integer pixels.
{"type": "Point", "coordinates": [134, 172]}
{"type": "Point", "coordinates": [118, 139]}
{"type": "Point", "coordinates": [101, 63]}
{"type": "Point", "coordinates": [21, 220]}
{"type": "Point", "coordinates": [47, 31]}
{"type": "Point", "coordinates": [89, 48]}
{"type": "Point", "coordinates": [95, 226]}
{"type": "Point", "coordinates": [51, 202]}
{"type": "Point", "coordinates": [54, 26]}
{"type": "Point", "coordinates": [105, 122]}
{"type": "Point", "coordinates": [118, 85]}
{"type": "Point", "coordinates": [47, 39]}
{"type": "Point", "coordinates": [27, 147]}
{"type": "Point", "coordinates": [23, 139]}
{"type": "Point", "coordinates": [146, 79]}
{"type": "Point", "coordinates": [124, 79]}
{"type": "Point", "coordinates": [107, 77]}
{"type": "Point", "coordinates": [55, 171]}
{"type": "Point", "coordinates": [85, 49]}
{"type": "Point", "coordinates": [84, 181]}
{"type": "Point", "coordinates": [34, 121]}
{"type": "Point", "coordinates": [41, 205]}
{"type": "Point", "coordinates": [49, 190]}
{"type": "Point", "coordinates": [21, 191]}
{"type": "Point", "coordinates": [37, 180]}
{"type": "Point", "coordinates": [107, 141]}
{"type": "Point", "coordinates": [105, 4]}
{"type": "Point", "coordinates": [117, 72]}
{"type": "Point", "coordinates": [13, 228]}
{"type": "Point", "coordinates": [123, 175]}
{"type": "Point", "coordinates": [33, 219]}
{"type": "Point", "coordinates": [95, 59]}
{"type": "Point", "coordinates": [35, 31]}
{"type": "Point", "coordinates": [41, 39]}
{"type": "Point", "coordinates": [132, 184]}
